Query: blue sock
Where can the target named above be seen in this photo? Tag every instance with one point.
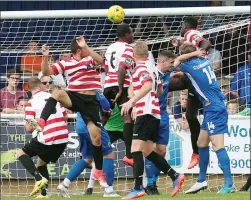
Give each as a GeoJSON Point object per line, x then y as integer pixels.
{"type": "Point", "coordinates": [76, 169]}
{"type": "Point", "coordinates": [224, 164]}
{"type": "Point", "coordinates": [108, 169]}
{"type": "Point", "coordinates": [203, 163]}
{"type": "Point", "coordinates": [149, 172]}
{"type": "Point", "coordinates": [156, 174]}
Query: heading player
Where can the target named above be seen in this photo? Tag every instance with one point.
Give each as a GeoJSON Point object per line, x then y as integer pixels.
{"type": "Point", "coordinates": [145, 133]}
{"type": "Point", "coordinates": [192, 35]}
{"type": "Point", "coordinates": [83, 82]}
{"type": "Point", "coordinates": [214, 125]}
{"type": "Point", "coordinates": [49, 144]}
{"type": "Point", "coordinates": [118, 63]}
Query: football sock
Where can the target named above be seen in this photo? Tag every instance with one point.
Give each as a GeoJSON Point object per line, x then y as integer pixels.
{"type": "Point", "coordinates": [224, 164]}
{"type": "Point", "coordinates": [162, 164]}
{"type": "Point", "coordinates": [98, 156]}
{"type": "Point", "coordinates": [92, 180]}
{"type": "Point", "coordinates": [194, 126]}
{"type": "Point", "coordinates": [138, 169]}
{"type": "Point", "coordinates": [149, 166]}
{"type": "Point", "coordinates": [76, 169]}
{"type": "Point", "coordinates": [127, 135]}
{"type": "Point", "coordinates": [30, 166]}
{"type": "Point", "coordinates": [108, 169]}
{"type": "Point", "coordinates": [48, 108]}
{"type": "Point", "coordinates": [203, 163]}
{"type": "Point", "coordinates": [44, 172]}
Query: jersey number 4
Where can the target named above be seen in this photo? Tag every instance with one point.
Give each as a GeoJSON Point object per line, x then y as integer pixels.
{"type": "Point", "coordinates": [210, 74]}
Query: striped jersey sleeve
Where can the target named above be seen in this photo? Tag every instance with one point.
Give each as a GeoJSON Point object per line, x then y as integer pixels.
{"type": "Point", "coordinates": [193, 36]}
{"type": "Point", "coordinates": [142, 74]}
{"type": "Point", "coordinates": [29, 111]}
{"type": "Point", "coordinates": [126, 59]}
{"type": "Point", "coordinates": [59, 67]}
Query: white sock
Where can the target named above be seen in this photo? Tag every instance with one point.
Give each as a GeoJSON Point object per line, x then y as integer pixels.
{"type": "Point", "coordinates": [91, 180]}
{"type": "Point", "coordinates": [66, 182]}
{"type": "Point", "coordinates": [109, 189]}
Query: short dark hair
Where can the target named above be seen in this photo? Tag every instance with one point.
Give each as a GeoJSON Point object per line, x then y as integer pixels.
{"type": "Point", "coordinates": [191, 21]}
{"type": "Point", "coordinates": [122, 30]}
{"type": "Point", "coordinates": [74, 46]}
{"type": "Point", "coordinates": [34, 39]}
{"type": "Point", "coordinates": [34, 83]}
{"type": "Point", "coordinates": [13, 71]}
{"type": "Point", "coordinates": [167, 53]}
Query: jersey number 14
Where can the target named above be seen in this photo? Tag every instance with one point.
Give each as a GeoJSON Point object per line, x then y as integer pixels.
{"type": "Point", "coordinates": [210, 74]}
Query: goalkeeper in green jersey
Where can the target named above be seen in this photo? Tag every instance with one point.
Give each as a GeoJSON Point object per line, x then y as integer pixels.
{"type": "Point", "coordinates": [114, 127]}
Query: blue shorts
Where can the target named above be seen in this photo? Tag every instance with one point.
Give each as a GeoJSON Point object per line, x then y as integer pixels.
{"type": "Point", "coordinates": [215, 122]}
{"type": "Point", "coordinates": [164, 129]}
{"type": "Point", "coordinates": [86, 143]}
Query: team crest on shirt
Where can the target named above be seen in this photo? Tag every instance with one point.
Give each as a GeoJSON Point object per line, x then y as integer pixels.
{"type": "Point", "coordinates": [145, 76]}
{"type": "Point", "coordinates": [88, 66]}
{"type": "Point", "coordinates": [128, 61]}
{"type": "Point", "coordinates": [196, 38]}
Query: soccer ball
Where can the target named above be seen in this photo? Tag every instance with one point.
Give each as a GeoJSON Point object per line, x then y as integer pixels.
{"type": "Point", "coordinates": [116, 14]}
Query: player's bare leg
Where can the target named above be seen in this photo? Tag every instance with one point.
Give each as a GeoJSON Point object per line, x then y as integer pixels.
{"type": "Point", "coordinates": [31, 168]}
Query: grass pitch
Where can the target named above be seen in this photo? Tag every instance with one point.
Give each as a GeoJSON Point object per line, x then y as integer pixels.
{"type": "Point", "coordinates": [181, 196]}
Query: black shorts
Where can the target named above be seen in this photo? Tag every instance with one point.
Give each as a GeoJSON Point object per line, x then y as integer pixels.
{"type": "Point", "coordinates": [146, 127]}
{"type": "Point", "coordinates": [87, 105]}
{"type": "Point", "coordinates": [115, 135]}
{"type": "Point", "coordinates": [48, 153]}
{"type": "Point", "coordinates": [111, 92]}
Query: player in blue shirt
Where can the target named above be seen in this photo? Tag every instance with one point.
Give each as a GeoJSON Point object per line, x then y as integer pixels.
{"type": "Point", "coordinates": [164, 68]}
{"type": "Point", "coordinates": [214, 126]}
{"type": "Point", "coordinates": [240, 84]}
{"type": "Point", "coordinates": [86, 151]}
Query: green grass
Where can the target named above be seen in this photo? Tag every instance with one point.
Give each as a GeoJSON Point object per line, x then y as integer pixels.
{"type": "Point", "coordinates": [182, 196]}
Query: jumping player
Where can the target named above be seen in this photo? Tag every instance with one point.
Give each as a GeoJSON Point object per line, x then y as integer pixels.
{"type": "Point", "coordinates": [145, 86]}
{"type": "Point", "coordinates": [83, 82]}
{"type": "Point", "coordinates": [214, 125]}
{"type": "Point", "coordinates": [192, 35]}
{"type": "Point", "coordinates": [86, 151]}
{"type": "Point", "coordinates": [49, 144]}
{"type": "Point", "coordinates": [118, 63]}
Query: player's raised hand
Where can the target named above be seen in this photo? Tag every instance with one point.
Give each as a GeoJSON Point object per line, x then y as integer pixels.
{"type": "Point", "coordinates": [201, 52]}
{"type": "Point", "coordinates": [81, 41]}
{"type": "Point", "coordinates": [45, 50]}
{"type": "Point", "coordinates": [175, 42]}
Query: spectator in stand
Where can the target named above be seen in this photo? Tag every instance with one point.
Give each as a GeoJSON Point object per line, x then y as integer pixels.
{"type": "Point", "coordinates": [31, 62]}
{"type": "Point", "coordinates": [225, 89]}
{"type": "Point", "coordinates": [232, 107]}
{"type": "Point", "coordinates": [179, 110]}
{"type": "Point", "coordinates": [215, 59]}
{"type": "Point", "coordinates": [232, 44]}
{"type": "Point", "coordinates": [11, 93]}
{"type": "Point", "coordinates": [21, 103]}
{"type": "Point", "coordinates": [240, 85]}
{"type": "Point", "coordinates": [46, 83]}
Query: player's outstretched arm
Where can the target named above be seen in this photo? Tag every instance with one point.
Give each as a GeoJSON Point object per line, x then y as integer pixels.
{"type": "Point", "coordinates": [46, 69]}
{"type": "Point", "coordinates": [183, 57]}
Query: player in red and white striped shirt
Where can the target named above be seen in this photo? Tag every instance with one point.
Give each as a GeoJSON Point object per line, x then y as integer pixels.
{"type": "Point", "coordinates": [145, 85]}
{"type": "Point", "coordinates": [83, 83]}
{"type": "Point", "coordinates": [49, 144]}
{"type": "Point", "coordinates": [191, 34]}
{"type": "Point", "coordinates": [118, 63]}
